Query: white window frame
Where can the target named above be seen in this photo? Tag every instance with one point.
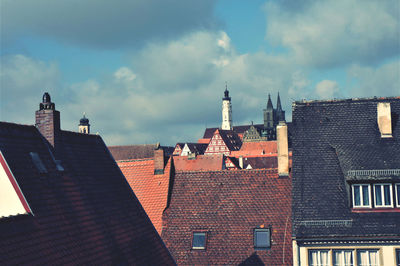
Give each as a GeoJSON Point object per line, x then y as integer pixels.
{"type": "Point", "coordinates": [383, 195]}
{"type": "Point", "coordinates": [361, 196]}
{"type": "Point", "coordinates": [319, 260]}
{"type": "Point", "coordinates": [368, 251]}
{"type": "Point", "coordinates": [342, 255]}
{"type": "Point", "coordinates": [397, 194]}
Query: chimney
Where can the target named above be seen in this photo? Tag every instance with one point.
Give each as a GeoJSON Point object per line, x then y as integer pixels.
{"type": "Point", "coordinates": [48, 120]}
{"type": "Point", "coordinates": [241, 161]}
{"type": "Point", "coordinates": [283, 149]}
{"type": "Point", "coordinates": [158, 160]}
{"type": "Point", "coordinates": [384, 120]}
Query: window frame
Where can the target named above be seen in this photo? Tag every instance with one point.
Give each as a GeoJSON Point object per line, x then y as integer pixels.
{"type": "Point", "coordinates": [382, 192]}
{"type": "Point", "coordinates": [269, 242]}
{"type": "Point", "coordinates": [361, 195]}
{"type": "Point", "coordinates": [397, 198]}
{"type": "Point", "coordinates": [205, 240]}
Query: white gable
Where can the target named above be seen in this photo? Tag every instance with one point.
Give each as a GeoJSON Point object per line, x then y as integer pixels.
{"type": "Point", "coordinates": [185, 151]}
{"type": "Point", "coordinates": [11, 198]}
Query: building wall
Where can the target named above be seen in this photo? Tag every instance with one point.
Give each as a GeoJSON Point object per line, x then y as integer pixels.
{"type": "Point", "coordinates": [386, 252]}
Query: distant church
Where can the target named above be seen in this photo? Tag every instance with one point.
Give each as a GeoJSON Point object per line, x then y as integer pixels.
{"type": "Point", "coordinates": [266, 131]}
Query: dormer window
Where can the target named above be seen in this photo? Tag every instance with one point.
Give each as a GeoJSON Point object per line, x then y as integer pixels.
{"type": "Point", "coordinates": [361, 195]}
{"type": "Point", "coordinates": [376, 195]}
{"type": "Point", "coordinates": [383, 195]}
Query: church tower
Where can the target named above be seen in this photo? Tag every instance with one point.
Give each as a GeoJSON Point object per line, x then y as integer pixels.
{"type": "Point", "coordinates": [226, 111]}
{"type": "Point", "coordinates": [280, 114]}
{"type": "Point", "coordinates": [84, 126]}
{"type": "Point", "coordinates": [269, 114]}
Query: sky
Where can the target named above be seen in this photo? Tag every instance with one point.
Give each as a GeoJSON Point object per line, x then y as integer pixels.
{"type": "Point", "coordinates": [147, 71]}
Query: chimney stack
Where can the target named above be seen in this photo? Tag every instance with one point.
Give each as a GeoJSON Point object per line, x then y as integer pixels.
{"type": "Point", "coordinates": [158, 160]}
{"type": "Point", "coordinates": [384, 120]}
{"type": "Point", "coordinates": [48, 120]}
{"type": "Point", "coordinates": [283, 149]}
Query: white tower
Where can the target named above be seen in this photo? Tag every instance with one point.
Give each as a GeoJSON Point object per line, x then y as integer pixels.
{"type": "Point", "coordinates": [84, 126]}
{"type": "Point", "coordinates": [226, 111]}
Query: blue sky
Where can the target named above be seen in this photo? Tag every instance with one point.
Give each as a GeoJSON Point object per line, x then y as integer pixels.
{"type": "Point", "coordinates": [149, 71]}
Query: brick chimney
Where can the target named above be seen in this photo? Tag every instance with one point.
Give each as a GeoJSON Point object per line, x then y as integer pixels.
{"type": "Point", "coordinates": [283, 149]}
{"type": "Point", "coordinates": [384, 120]}
{"type": "Point", "coordinates": [48, 120]}
{"type": "Point", "coordinates": [158, 160]}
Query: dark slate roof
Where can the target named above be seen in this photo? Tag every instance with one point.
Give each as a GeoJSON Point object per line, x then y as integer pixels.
{"type": "Point", "coordinates": [141, 151]}
{"type": "Point", "coordinates": [209, 132]}
{"type": "Point", "coordinates": [331, 138]}
{"type": "Point", "coordinates": [86, 214]}
{"type": "Point", "coordinates": [198, 148]}
{"type": "Point", "coordinates": [229, 205]}
{"type": "Point", "coordinates": [231, 139]}
{"type": "Point", "coordinates": [261, 162]}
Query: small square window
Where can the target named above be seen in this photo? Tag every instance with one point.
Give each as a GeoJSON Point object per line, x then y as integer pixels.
{"type": "Point", "coordinates": [262, 238]}
{"type": "Point", "coordinates": [199, 240]}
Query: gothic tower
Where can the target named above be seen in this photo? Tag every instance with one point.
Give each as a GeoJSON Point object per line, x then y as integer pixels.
{"type": "Point", "coordinates": [269, 114]}
{"type": "Point", "coordinates": [84, 126]}
{"type": "Point", "coordinates": [226, 111]}
{"type": "Point", "coordinates": [48, 120]}
{"type": "Point", "coordinates": [280, 114]}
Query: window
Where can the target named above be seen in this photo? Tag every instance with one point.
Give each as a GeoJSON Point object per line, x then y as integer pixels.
{"type": "Point", "coordinates": [343, 258]}
{"type": "Point", "coordinates": [361, 195]}
{"type": "Point", "coordinates": [383, 195]}
{"type": "Point", "coordinates": [398, 195]}
{"type": "Point", "coordinates": [199, 240]}
{"type": "Point", "coordinates": [262, 238]}
{"type": "Point", "coordinates": [367, 258]}
{"type": "Point", "coordinates": [398, 257]}
{"type": "Point", "coordinates": [318, 258]}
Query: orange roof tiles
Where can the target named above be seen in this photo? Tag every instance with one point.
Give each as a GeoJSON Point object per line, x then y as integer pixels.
{"type": "Point", "coordinates": [200, 163]}
{"type": "Point", "coordinates": [257, 149]}
{"type": "Point", "coordinates": [150, 189]}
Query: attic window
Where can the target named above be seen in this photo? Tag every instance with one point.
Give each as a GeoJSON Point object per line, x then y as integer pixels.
{"type": "Point", "coordinates": [384, 120]}
{"type": "Point", "coordinates": [38, 163]}
{"type": "Point", "coordinates": [262, 238]}
{"type": "Point", "coordinates": [199, 240]}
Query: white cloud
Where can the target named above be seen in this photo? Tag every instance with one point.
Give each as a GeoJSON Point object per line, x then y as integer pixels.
{"type": "Point", "coordinates": [334, 33]}
{"type": "Point", "coordinates": [381, 81]}
{"type": "Point", "coordinates": [327, 89]}
{"type": "Point", "coordinates": [124, 74]}
{"type": "Point", "coordinates": [23, 80]}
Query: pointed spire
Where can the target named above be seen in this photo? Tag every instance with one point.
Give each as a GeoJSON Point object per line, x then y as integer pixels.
{"type": "Point", "coordinates": [278, 104]}
{"type": "Point", "coordinates": [269, 104]}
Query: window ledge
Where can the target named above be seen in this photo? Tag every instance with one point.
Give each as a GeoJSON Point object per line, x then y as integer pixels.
{"type": "Point", "coordinates": [380, 209]}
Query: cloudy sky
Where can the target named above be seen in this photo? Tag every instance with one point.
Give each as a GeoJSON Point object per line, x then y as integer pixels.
{"type": "Point", "coordinates": [146, 71]}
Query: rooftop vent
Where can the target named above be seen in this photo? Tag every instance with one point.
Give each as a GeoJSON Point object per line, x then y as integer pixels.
{"type": "Point", "coordinates": [384, 120]}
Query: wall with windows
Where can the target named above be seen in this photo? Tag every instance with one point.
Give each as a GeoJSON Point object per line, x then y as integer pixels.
{"type": "Point", "coordinates": [346, 255]}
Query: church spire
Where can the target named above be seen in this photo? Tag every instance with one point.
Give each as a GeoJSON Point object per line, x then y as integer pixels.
{"type": "Point", "coordinates": [269, 104]}
{"type": "Point", "coordinates": [84, 126]}
{"type": "Point", "coordinates": [278, 104]}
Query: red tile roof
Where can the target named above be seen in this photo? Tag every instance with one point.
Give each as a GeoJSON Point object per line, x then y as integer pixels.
{"type": "Point", "coordinates": [151, 189]}
{"type": "Point", "coordinates": [258, 148]}
{"type": "Point", "coordinates": [200, 163]}
{"type": "Point", "coordinates": [86, 214]}
{"type": "Point", "coordinates": [229, 205]}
